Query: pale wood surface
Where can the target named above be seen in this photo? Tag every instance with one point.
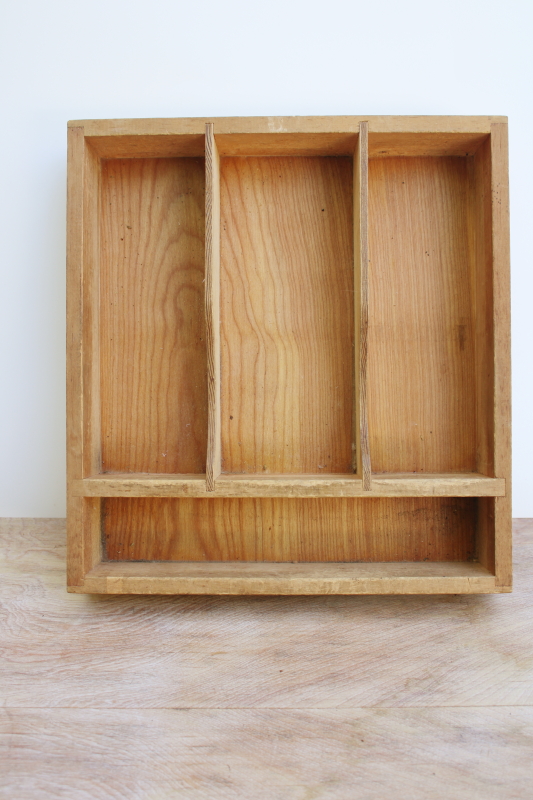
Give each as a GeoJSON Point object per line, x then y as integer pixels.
{"type": "Point", "coordinates": [360, 190]}
{"type": "Point", "coordinates": [75, 214]}
{"type": "Point", "coordinates": [190, 126]}
{"type": "Point", "coordinates": [502, 347]}
{"type": "Point", "coordinates": [407, 485]}
{"type": "Point", "coordinates": [286, 315]}
{"type": "Point", "coordinates": [264, 578]}
{"type": "Point", "coordinates": [152, 321]}
{"type": "Point", "coordinates": [212, 305]}
{"type": "Point", "coordinates": [274, 698]}
{"type": "Point", "coordinates": [83, 398]}
{"type": "Point", "coordinates": [290, 529]}
{"type": "Point", "coordinates": [421, 346]}
{"type": "Point", "coordinates": [193, 754]}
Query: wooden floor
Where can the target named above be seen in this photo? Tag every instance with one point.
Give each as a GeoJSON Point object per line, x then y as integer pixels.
{"type": "Point", "coordinates": [325, 698]}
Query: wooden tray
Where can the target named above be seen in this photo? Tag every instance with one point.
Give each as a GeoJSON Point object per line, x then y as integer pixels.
{"type": "Point", "coordinates": [337, 419]}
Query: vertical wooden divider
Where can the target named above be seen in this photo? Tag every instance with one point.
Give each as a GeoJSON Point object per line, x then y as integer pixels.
{"type": "Point", "coordinates": [212, 306]}
{"type": "Point", "coordinates": [84, 535]}
{"type": "Point", "coordinates": [361, 462]}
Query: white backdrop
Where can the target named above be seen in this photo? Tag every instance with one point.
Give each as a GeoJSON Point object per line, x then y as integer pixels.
{"type": "Point", "coordinates": [65, 59]}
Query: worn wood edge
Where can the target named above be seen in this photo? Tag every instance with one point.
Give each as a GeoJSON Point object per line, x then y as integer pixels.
{"type": "Point", "coordinates": [84, 548]}
{"type": "Point", "coordinates": [364, 464]}
{"type": "Point", "coordinates": [90, 387]}
{"type": "Point", "coordinates": [127, 485]}
{"type": "Point", "coordinates": [502, 348]}
{"type": "Point", "coordinates": [83, 514]}
{"type": "Point", "coordinates": [212, 306]}
{"type": "Point", "coordinates": [357, 462]}
{"type": "Point", "coordinates": [259, 578]}
{"type": "Point", "coordinates": [324, 143]}
{"type": "Point", "coordinates": [394, 144]}
{"type": "Point", "coordinates": [293, 124]}
{"type": "Point", "coordinates": [75, 177]}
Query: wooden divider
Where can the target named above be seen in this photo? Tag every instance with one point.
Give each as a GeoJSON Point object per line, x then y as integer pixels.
{"type": "Point", "coordinates": [362, 465]}
{"type": "Point", "coordinates": [212, 304]}
{"type": "Point", "coordinates": [83, 420]}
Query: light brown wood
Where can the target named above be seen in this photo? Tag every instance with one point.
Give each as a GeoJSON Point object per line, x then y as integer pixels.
{"type": "Point", "coordinates": [421, 349]}
{"type": "Point", "coordinates": [502, 348]}
{"type": "Point", "coordinates": [92, 458]}
{"type": "Point", "coordinates": [83, 430]}
{"type": "Point", "coordinates": [75, 185]}
{"type": "Point", "coordinates": [287, 144]}
{"type": "Point", "coordinates": [195, 126]}
{"type": "Point", "coordinates": [480, 241]}
{"type": "Point", "coordinates": [279, 579]}
{"type": "Point", "coordinates": [287, 392]}
{"type": "Point", "coordinates": [170, 145]}
{"type": "Point", "coordinates": [290, 529]}
{"type": "Point", "coordinates": [287, 315]}
{"type": "Point", "coordinates": [268, 754]}
{"type": "Point", "coordinates": [239, 697]}
{"type": "Point", "coordinates": [153, 350]}
{"type": "Point", "coordinates": [361, 441]}
{"type": "Point", "coordinates": [407, 485]}
{"type": "Point", "coordinates": [63, 650]}
{"type": "Point", "coordinates": [212, 305]}
{"type": "Point", "coordinates": [421, 143]}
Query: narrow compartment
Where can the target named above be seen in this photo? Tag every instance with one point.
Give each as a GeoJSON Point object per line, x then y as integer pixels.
{"type": "Point", "coordinates": [422, 359]}
{"type": "Point", "coordinates": [287, 314]}
{"type": "Point", "coordinates": [287, 529]}
{"type": "Point", "coordinates": [152, 321]}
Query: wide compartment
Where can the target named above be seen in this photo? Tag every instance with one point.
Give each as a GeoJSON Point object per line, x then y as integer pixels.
{"type": "Point", "coordinates": [291, 530]}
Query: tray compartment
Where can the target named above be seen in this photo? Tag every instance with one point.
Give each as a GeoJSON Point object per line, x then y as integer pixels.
{"type": "Point", "coordinates": [422, 358]}
{"type": "Point", "coordinates": [287, 529]}
{"type": "Point", "coordinates": [152, 328]}
{"type": "Point", "coordinates": [287, 314]}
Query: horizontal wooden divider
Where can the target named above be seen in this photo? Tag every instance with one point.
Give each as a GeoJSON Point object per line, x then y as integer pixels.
{"type": "Point", "coordinates": [362, 463]}
{"type": "Point", "coordinates": [212, 305]}
{"type": "Point", "coordinates": [385, 485]}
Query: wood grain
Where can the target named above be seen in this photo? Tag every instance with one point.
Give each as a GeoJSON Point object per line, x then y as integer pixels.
{"type": "Point", "coordinates": [260, 578]}
{"type": "Point", "coordinates": [83, 398]}
{"type": "Point", "coordinates": [408, 485]}
{"type": "Point", "coordinates": [502, 347]}
{"type": "Point", "coordinates": [392, 144]}
{"type": "Point", "coordinates": [75, 439]}
{"type": "Point", "coordinates": [480, 241]}
{"type": "Point", "coordinates": [422, 408]}
{"type": "Point", "coordinates": [287, 315]}
{"type": "Point", "coordinates": [287, 529]}
{"type": "Point", "coordinates": [268, 754]}
{"type": "Point", "coordinates": [212, 306]}
{"type": "Point", "coordinates": [362, 461]}
{"type": "Point", "coordinates": [287, 144]}
{"type": "Point", "coordinates": [187, 126]}
{"type": "Point", "coordinates": [153, 351]}
{"type": "Point", "coordinates": [294, 342]}
{"type": "Point", "coordinates": [61, 650]}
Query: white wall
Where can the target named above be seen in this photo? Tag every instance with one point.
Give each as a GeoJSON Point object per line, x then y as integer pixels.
{"type": "Point", "coordinates": [64, 59]}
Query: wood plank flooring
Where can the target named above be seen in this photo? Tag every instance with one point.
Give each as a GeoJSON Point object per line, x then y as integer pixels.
{"type": "Point", "coordinates": [297, 698]}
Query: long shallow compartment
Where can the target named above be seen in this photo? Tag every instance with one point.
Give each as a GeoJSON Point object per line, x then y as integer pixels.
{"type": "Point", "coordinates": [288, 356]}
